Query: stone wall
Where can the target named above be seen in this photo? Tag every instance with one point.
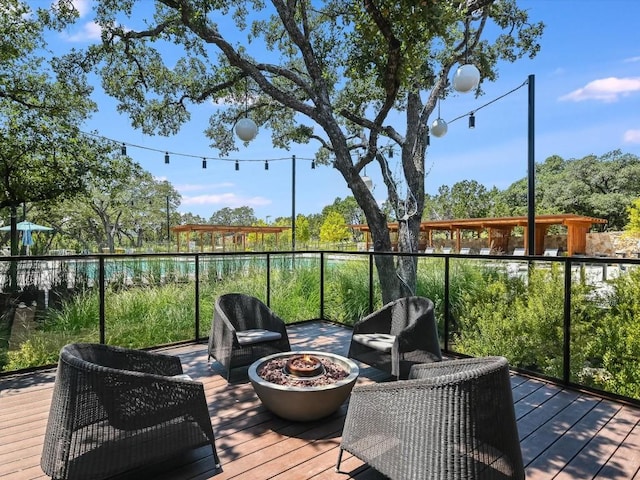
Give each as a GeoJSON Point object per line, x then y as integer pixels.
{"type": "Point", "coordinates": [612, 244]}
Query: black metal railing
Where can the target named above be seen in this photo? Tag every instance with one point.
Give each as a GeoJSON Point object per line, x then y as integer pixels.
{"type": "Point", "coordinates": [192, 264]}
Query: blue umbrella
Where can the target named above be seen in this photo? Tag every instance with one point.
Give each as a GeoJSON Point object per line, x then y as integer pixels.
{"type": "Point", "coordinates": [24, 226]}
{"type": "Point", "coordinates": [27, 228]}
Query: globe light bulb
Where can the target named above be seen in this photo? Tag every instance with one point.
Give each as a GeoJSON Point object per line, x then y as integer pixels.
{"type": "Point", "coordinates": [439, 127]}
{"type": "Point", "coordinates": [466, 78]}
{"type": "Point", "coordinates": [246, 129]}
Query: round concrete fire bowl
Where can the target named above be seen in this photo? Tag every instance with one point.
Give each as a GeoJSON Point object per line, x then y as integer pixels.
{"type": "Point", "coordinates": [304, 403]}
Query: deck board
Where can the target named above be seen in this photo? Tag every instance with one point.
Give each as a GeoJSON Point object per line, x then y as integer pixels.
{"type": "Point", "coordinates": [564, 434]}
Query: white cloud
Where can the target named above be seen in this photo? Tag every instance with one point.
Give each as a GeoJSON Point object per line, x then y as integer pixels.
{"type": "Point", "coordinates": [226, 200]}
{"type": "Point", "coordinates": [632, 59]}
{"type": "Point", "coordinates": [632, 136]}
{"type": "Point", "coordinates": [604, 89]}
{"type": "Point", "coordinates": [90, 31]}
{"type": "Point", "coordinates": [82, 6]}
{"type": "Point", "coordinates": [196, 187]}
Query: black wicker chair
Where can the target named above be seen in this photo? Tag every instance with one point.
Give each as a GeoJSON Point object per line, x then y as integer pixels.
{"type": "Point", "coordinates": [396, 337]}
{"type": "Point", "coordinates": [115, 409]}
{"type": "Point", "coordinates": [452, 420]}
{"type": "Point", "coordinates": [243, 330]}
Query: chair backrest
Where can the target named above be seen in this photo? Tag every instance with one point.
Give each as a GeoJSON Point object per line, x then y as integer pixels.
{"type": "Point", "coordinates": [409, 310]}
{"type": "Point", "coordinates": [243, 311]}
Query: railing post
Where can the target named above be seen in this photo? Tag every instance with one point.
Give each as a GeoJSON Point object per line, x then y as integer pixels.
{"type": "Point", "coordinates": [370, 283]}
{"type": "Point", "coordinates": [322, 285]}
{"type": "Point", "coordinates": [447, 309]}
{"type": "Point", "coordinates": [268, 280]}
{"type": "Point", "coordinates": [197, 288]}
{"type": "Point", "coordinates": [101, 286]}
{"type": "Point", "coordinates": [566, 347]}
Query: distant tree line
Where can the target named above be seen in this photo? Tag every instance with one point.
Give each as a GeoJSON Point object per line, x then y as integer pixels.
{"type": "Point", "coordinates": [596, 186]}
{"type": "Point", "coordinates": [131, 208]}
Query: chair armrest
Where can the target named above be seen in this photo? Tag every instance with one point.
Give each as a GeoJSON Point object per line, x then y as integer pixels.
{"type": "Point", "coordinates": [271, 321]}
{"type": "Point", "coordinates": [421, 335]}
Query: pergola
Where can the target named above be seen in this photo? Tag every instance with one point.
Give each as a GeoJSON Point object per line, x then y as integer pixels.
{"type": "Point", "coordinates": [500, 229]}
{"type": "Point", "coordinates": [237, 233]}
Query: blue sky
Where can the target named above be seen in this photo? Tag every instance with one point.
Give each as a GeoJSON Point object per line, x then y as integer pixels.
{"type": "Point", "coordinates": [587, 78]}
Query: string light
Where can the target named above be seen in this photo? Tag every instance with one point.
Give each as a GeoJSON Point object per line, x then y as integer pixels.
{"type": "Point", "coordinates": [237, 165]}
{"type": "Point", "coordinates": [266, 164]}
{"type": "Point", "coordinates": [204, 162]}
{"type": "Point", "coordinates": [472, 120]}
{"type": "Point", "coordinates": [313, 164]}
{"type": "Point", "coordinates": [167, 154]}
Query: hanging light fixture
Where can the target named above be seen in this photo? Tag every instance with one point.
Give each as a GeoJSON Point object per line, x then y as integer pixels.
{"type": "Point", "coordinates": [204, 162]}
{"type": "Point", "coordinates": [439, 127]}
{"type": "Point", "coordinates": [313, 164]}
{"type": "Point", "coordinates": [367, 181]}
{"type": "Point", "coordinates": [266, 164]}
{"type": "Point", "coordinates": [472, 120]}
{"type": "Point", "coordinates": [246, 129]}
{"type": "Point", "coordinates": [467, 76]}
{"type": "Point", "coordinates": [123, 149]}
{"type": "Point", "coordinates": [365, 178]}
{"type": "Point", "coordinates": [166, 157]}
{"type": "Point", "coordinates": [237, 165]}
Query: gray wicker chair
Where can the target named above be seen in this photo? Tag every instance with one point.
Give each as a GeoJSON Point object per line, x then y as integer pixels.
{"type": "Point", "coordinates": [451, 420]}
{"type": "Point", "coordinates": [399, 335]}
{"type": "Point", "coordinates": [116, 409]}
{"type": "Point", "coordinates": [243, 330]}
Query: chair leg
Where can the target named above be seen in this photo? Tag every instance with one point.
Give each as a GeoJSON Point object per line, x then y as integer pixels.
{"type": "Point", "coordinates": [339, 460]}
{"type": "Point", "coordinates": [216, 459]}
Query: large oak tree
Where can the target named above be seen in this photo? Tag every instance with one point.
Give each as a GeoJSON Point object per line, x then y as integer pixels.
{"type": "Point", "coordinates": [334, 72]}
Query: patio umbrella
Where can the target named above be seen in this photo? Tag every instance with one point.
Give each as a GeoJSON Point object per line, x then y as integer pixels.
{"type": "Point", "coordinates": [24, 226]}
{"type": "Point", "coordinates": [27, 228]}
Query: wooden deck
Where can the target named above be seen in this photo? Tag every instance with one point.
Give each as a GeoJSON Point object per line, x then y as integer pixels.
{"type": "Point", "coordinates": [564, 434]}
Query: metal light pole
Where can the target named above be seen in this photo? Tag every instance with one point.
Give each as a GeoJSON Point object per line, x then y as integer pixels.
{"type": "Point", "coordinates": [168, 230]}
{"type": "Point", "coordinates": [531, 169]}
{"type": "Point", "coordinates": [293, 202]}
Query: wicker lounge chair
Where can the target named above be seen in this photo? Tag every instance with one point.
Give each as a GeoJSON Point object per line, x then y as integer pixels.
{"type": "Point", "coordinates": [399, 335]}
{"type": "Point", "coordinates": [243, 330]}
{"type": "Point", "coordinates": [115, 409]}
{"type": "Point", "coordinates": [453, 420]}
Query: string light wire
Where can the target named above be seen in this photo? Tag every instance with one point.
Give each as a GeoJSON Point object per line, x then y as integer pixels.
{"type": "Point", "coordinates": [486, 104]}
{"type": "Point", "coordinates": [168, 153]}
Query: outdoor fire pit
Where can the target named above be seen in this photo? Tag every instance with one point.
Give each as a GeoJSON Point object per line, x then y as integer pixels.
{"type": "Point", "coordinates": [303, 386]}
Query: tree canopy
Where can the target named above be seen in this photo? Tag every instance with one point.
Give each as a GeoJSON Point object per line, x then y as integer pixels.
{"type": "Point", "coordinates": [361, 72]}
{"type": "Point", "coordinates": [43, 155]}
